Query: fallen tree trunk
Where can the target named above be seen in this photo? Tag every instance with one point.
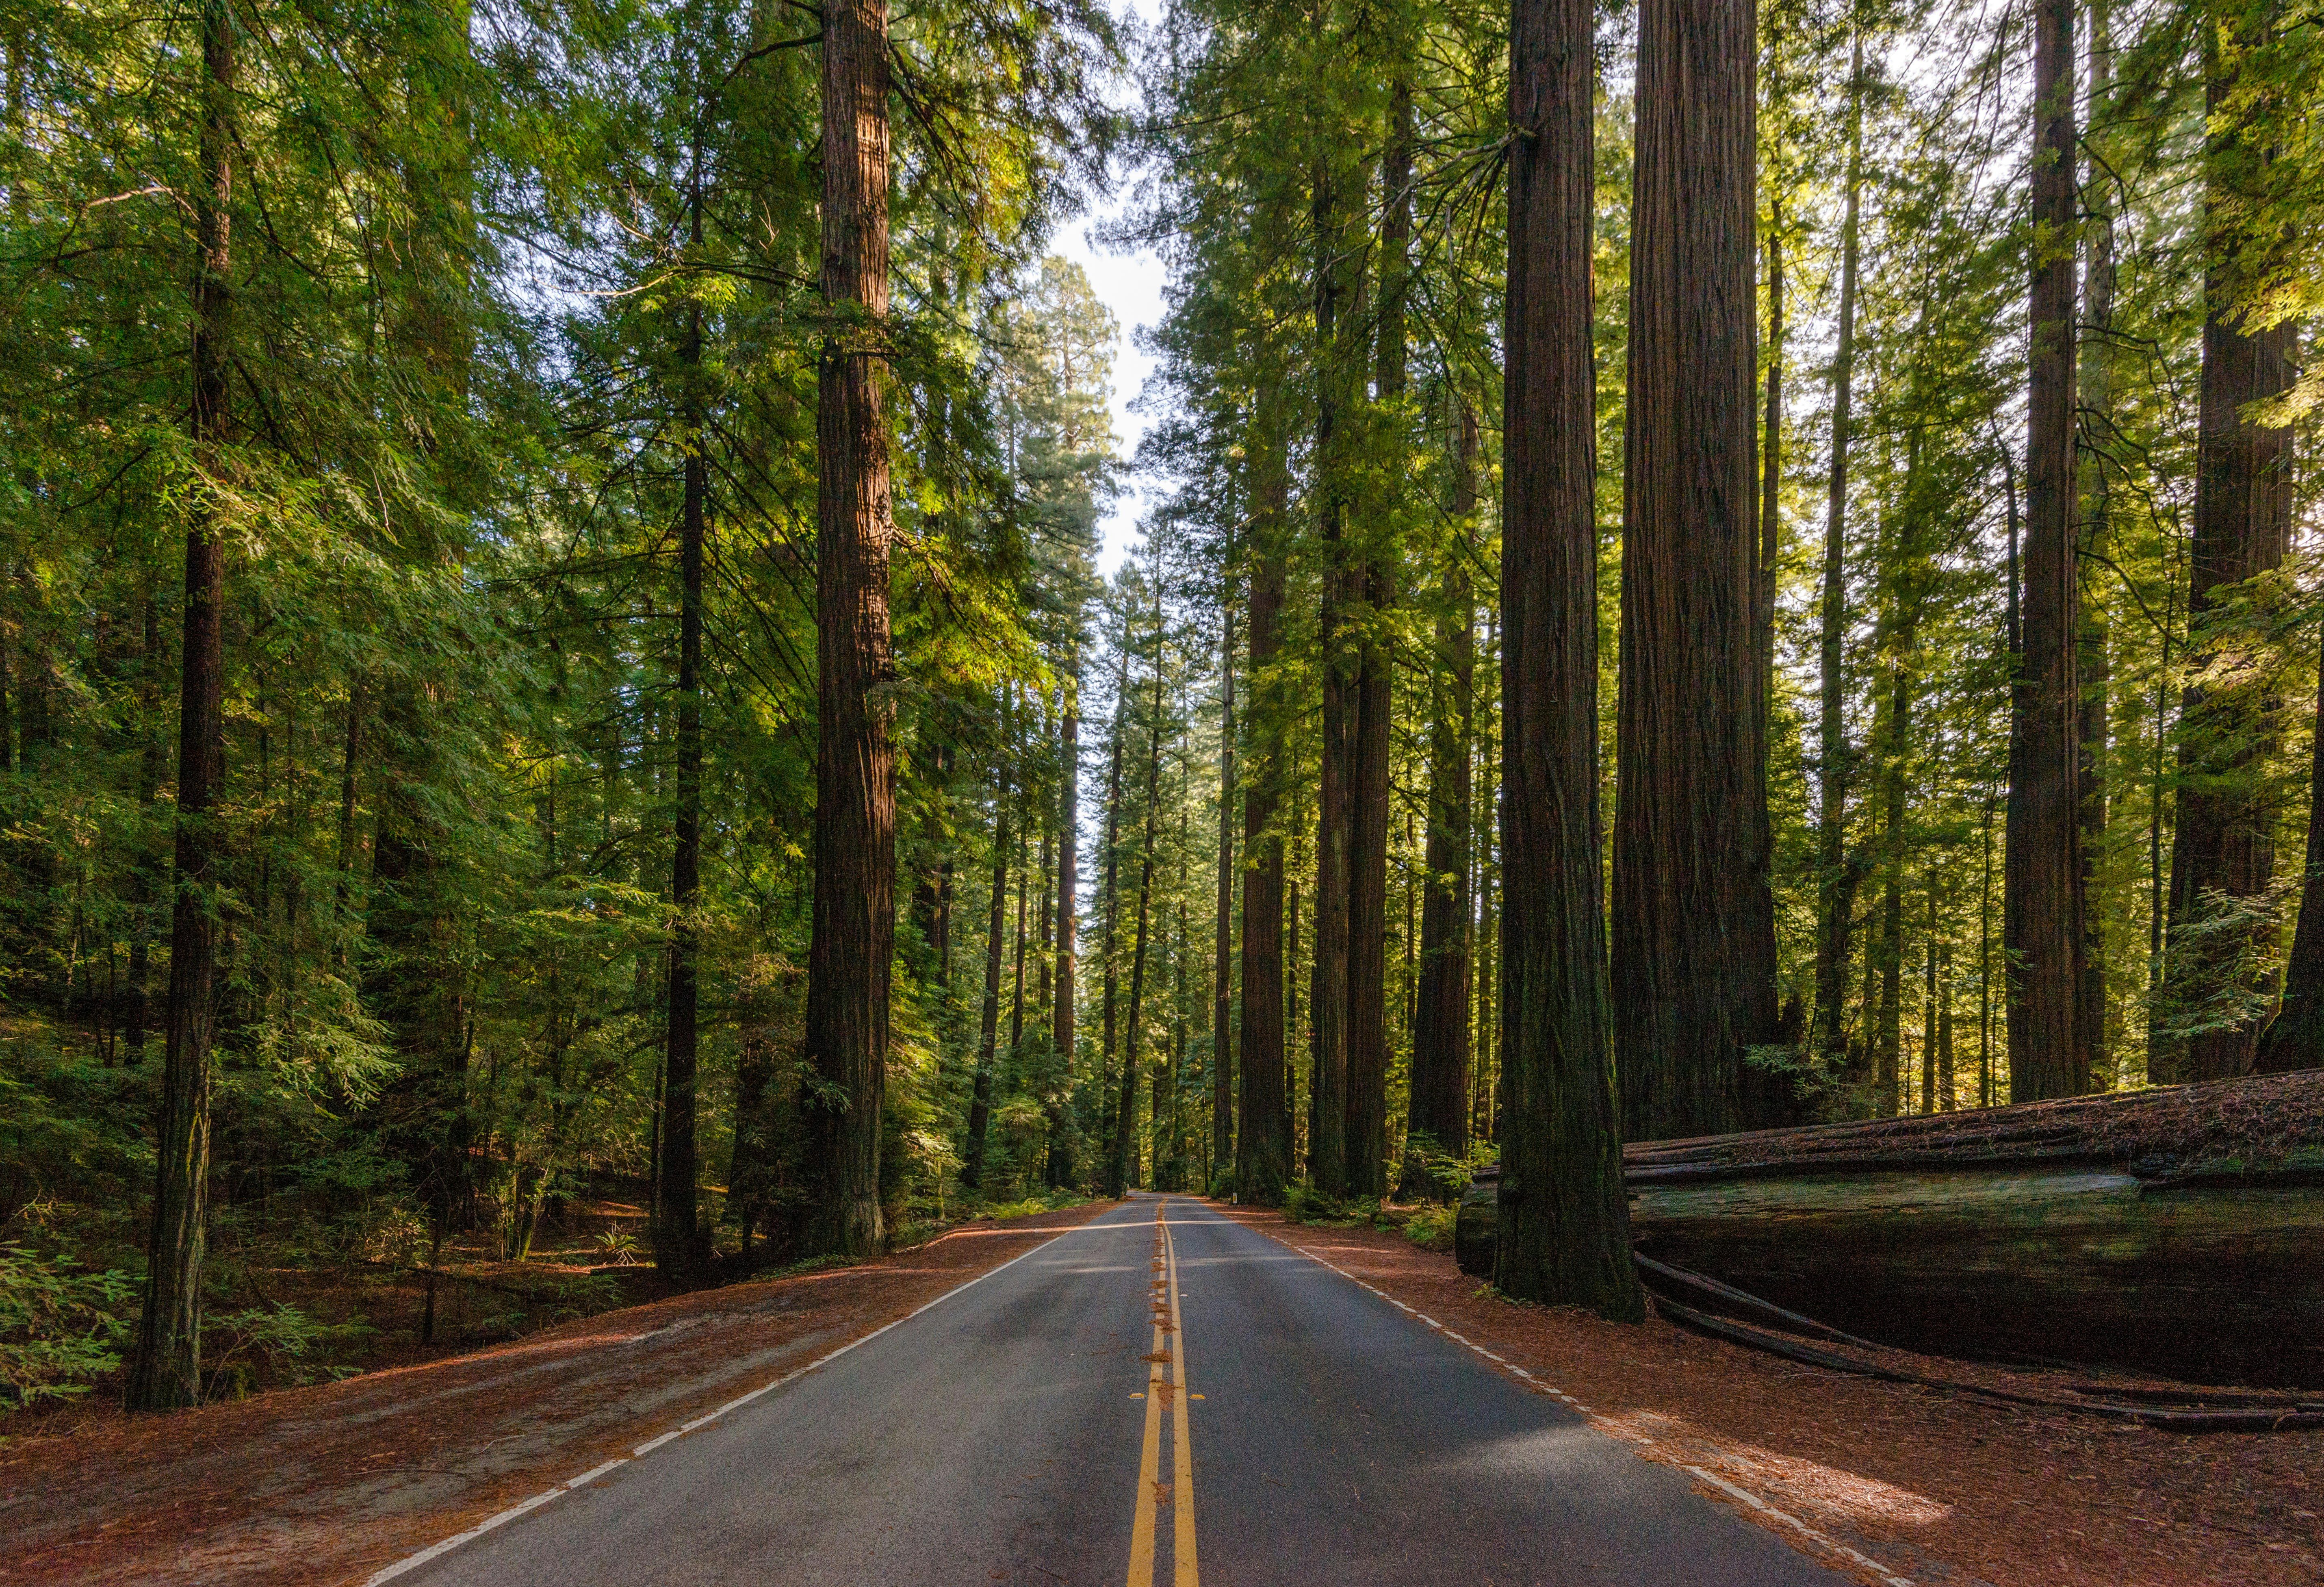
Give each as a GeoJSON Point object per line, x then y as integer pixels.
{"type": "Point", "coordinates": [2179, 1231]}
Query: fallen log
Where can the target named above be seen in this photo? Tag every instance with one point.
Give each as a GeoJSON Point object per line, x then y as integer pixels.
{"type": "Point", "coordinates": [2178, 1230]}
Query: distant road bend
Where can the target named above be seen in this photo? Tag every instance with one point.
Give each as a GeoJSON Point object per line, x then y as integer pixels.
{"type": "Point", "coordinates": [1159, 1395]}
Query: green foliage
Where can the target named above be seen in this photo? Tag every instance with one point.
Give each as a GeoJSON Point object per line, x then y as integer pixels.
{"type": "Point", "coordinates": [284, 1339]}
{"type": "Point", "coordinates": [1431, 1227]}
{"type": "Point", "coordinates": [1054, 1201]}
{"type": "Point", "coordinates": [60, 1328]}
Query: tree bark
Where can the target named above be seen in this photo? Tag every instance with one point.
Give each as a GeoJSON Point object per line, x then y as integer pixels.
{"type": "Point", "coordinates": [980, 1106]}
{"type": "Point", "coordinates": [1694, 934]}
{"type": "Point", "coordinates": [1836, 876]}
{"type": "Point", "coordinates": [1263, 1142]}
{"type": "Point", "coordinates": [1016, 1047]}
{"type": "Point", "coordinates": [166, 1370]}
{"type": "Point", "coordinates": [2041, 871]}
{"type": "Point", "coordinates": [1115, 1183]}
{"type": "Point", "coordinates": [1365, 1134]}
{"type": "Point", "coordinates": [1059, 1164]}
{"type": "Point", "coordinates": [1125, 1130]}
{"type": "Point", "coordinates": [2096, 395]}
{"type": "Point", "coordinates": [1771, 467]}
{"type": "Point", "coordinates": [2164, 1230]}
{"type": "Point", "coordinates": [1222, 1153]}
{"type": "Point", "coordinates": [1564, 1231]}
{"type": "Point", "coordinates": [852, 945]}
{"type": "Point", "coordinates": [1440, 1028]}
{"type": "Point", "coordinates": [1327, 994]}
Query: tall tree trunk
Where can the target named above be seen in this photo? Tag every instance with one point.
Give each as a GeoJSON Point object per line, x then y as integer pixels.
{"type": "Point", "coordinates": [2096, 398]}
{"type": "Point", "coordinates": [1928, 1008]}
{"type": "Point", "coordinates": [1115, 1182]}
{"type": "Point", "coordinates": [1771, 465]}
{"type": "Point", "coordinates": [1125, 1130]}
{"type": "Point", "coordinates": [166, 1371]}
{"type": "Point", "coordinates": [680, 1244]}
{"type": "Point", "coordinates": [1771, 451]}
{"type": "Point", "coordinates": [1223, 1067]}
{"type": "Point", "coordinates": [1836, 876]}
{"type": "Point", "coordinates": [1364, 1136]}
{"type": "Point", "coordinates": [1044, 954]}
{"type": "Point", "coordinates": [1440, 1028]}
{"type": "Point", "coordinates": [1694, 925]}
{"type": "Point", "coordinates": [1017, 975]}
{"type": "Point", "coordinates": [1896, 639]}
{"type": "Point", "coordinates": [1058, 1161]}
{"type": "Point", "coordinates": [1327, 994]}
{"type": "Point", "coordinates": [1890, 1049]}
{"type": "Point", "coordinates": [853, 946]}
{"type": "Point", "coordinates": [1985, 965]}
{"type": "Point", "coordinates": [2042, 870]}
{"type": "Point", "coordinates": [1564, 1233]}
{"type": "Point", "coordinates": [980, 1106]}
{"type": "Point", "coordinates": [1263, 1142]}
{"type": "Point", "coordinates": [2223, 849]}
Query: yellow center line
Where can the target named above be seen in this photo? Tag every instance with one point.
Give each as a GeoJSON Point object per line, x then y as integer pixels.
{"type": "Point", "coordinates": [1181, 1492]}
{"type": "Point", "coordinates": [1152, 1491]}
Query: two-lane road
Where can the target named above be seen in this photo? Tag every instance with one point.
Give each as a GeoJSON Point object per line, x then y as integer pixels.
{"type": "Point", "coordinates": [1047, 1424]}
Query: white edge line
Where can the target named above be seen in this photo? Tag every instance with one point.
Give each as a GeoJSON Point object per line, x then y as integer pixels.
{"type": "Point", "coordinates": [1625, 1434]}
{"type": "Point", "coordinates": [1874, 1565]}
{"type": "Point", "coordinates": [438, 1550]}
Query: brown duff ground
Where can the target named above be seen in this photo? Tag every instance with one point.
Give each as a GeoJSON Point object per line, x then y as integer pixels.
{"type": "Point", "coordinates": [1935, 1487]}
{"type": "Point", "coordinates": [328, 1484]}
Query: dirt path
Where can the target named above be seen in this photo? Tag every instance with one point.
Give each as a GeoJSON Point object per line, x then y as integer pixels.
{"type": "Point", "coordinates": [328, 1484]}
{"type": "Point", "coordinates": [1936, 1488]}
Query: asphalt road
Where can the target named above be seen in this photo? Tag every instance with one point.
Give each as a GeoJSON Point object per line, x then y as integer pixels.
{"type": "Point", "coordinates": [1040, 1427]}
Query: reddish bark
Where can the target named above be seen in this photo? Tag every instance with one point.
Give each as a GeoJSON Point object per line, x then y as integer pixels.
{"type": "Point", "coordinates": [2041, 874]}
{"type": "Point", "coordinates": [166, 1371]}
{"type": "Point", "coordinates": [1693, 914]}
{"type": "Point", "coordinates": [849, 959]}
{"type": "Point", "coordinates": [1565, 1233]}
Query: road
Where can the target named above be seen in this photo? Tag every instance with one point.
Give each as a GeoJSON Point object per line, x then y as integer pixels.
{"type": "Point", "coordinates": [1040, 1426]}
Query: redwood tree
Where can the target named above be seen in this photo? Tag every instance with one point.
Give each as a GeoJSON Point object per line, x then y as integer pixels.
{"type": "Point", "coordinates": [1059, 1158]}
{"type": "Point", "coordinates": [1374, 579]}
{"type": "Point", "coordinates": [1836, 874]}
{"type": "Point", "coordinates": [1327, 990]}
{"type": "Point", "coordinates": [855, 911]}
{"type": "Point", "coordinates": [167, 1369]}
{"type": "Point", "coordinates": [1694, 933]}
{"type": "Point", "coordinates": [1440, 1030]}
{"type": "Point", "coordinates": [980, 1107]}
{"type": "Point", "coordinates": [1563, 1234]}
{"type": "Point", "coordinates": [2042, 875]}
{"type": "Point", "coordinates": [1222, 947]}
{"type": "Point", "coordinates": [1263, 1141]}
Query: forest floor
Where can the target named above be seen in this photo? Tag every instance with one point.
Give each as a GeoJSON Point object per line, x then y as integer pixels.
{"type": "Point", "coordinates": [325, 1484]}
{"type": "Point", "coordinates": [1937, 1488]}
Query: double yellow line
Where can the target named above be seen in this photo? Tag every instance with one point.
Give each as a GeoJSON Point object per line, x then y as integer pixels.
{"type": "Point", "coordinates": [1153, 1493]}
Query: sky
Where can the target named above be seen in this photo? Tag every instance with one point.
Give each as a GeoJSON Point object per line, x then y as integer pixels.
{"type": "Point", "coordinates": [1130, 284]}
